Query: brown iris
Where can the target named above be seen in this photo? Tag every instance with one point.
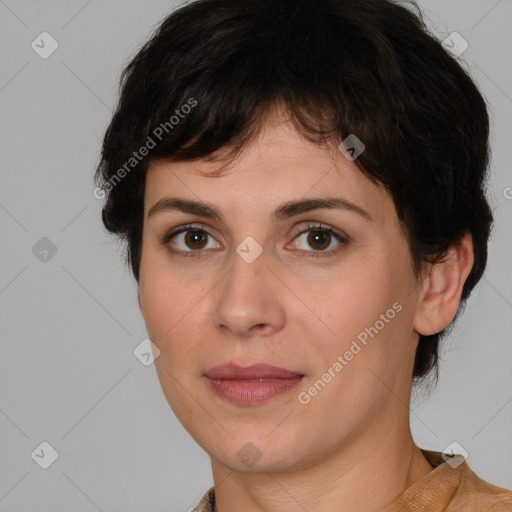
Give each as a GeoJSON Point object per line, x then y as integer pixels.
{"type": "Point", "coordinates": [319, 237]}
{"type": "Point", "coordinates": [197, 239]}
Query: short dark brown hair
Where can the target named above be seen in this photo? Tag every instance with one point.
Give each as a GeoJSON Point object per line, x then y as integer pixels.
{"type": "Point", "coordinates": [214, 69]}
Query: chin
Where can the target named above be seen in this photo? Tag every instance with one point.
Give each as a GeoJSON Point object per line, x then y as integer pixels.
{"type": "Point", "coordinates": [246, 456]}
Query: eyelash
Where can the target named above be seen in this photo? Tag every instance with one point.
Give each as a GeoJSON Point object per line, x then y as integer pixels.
{"type": "Point", "coordinates": [343, 239]}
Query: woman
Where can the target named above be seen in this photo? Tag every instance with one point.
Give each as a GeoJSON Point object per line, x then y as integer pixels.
{"type": "Point", "coordinates": [301, 188]}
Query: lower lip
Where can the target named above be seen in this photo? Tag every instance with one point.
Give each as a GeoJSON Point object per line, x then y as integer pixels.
{"type": "Point", "coordinates": [252, 392]}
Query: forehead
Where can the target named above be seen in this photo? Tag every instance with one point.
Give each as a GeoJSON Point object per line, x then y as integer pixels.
{"type": "Point", "coordinates": [279, 165]}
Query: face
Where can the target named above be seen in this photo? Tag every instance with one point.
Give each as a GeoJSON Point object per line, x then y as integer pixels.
{"type": "Point", "coordinates": [327, 293]}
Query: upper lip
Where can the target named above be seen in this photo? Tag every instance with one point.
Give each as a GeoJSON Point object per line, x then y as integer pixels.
{"type": "Point", "coordinates": [255, 371]}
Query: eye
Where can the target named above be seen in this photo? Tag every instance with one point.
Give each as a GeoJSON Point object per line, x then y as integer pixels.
{"type": "Point", "coordinates": [189, 239]}
{"type": "Point", "coordinates": [323, 241]}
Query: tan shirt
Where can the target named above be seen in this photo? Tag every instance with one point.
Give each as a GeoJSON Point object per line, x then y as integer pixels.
{"type": "Point", "coordinates": [451, 486]}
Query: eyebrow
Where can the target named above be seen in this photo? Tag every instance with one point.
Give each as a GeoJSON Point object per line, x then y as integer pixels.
{"type": "Point", "coordinates": [286, 210]}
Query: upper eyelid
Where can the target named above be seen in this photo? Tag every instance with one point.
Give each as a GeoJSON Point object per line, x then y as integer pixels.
{"type": "Point", "coordinates": [204, 227]}
{"type": "Point", "coordinates": [320, 226]}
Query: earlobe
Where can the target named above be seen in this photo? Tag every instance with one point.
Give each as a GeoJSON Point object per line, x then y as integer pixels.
{"type": "Point", "coordinates": [443, 288]}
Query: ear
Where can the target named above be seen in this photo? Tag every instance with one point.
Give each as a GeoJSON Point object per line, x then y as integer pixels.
{"type": "Point", "coordinates": [442, 288]}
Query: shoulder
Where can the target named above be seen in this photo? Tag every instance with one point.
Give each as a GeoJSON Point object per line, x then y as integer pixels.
{"type": "Point", "coordinates": [207, 503]}
{"type": "Point", "coordinates": [464, 490]}
{"type": "Point", "coordinates": [477, 494]}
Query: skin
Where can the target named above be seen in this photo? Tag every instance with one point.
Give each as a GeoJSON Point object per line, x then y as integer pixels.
{"type": "Point", "coordinates": [297, 312]}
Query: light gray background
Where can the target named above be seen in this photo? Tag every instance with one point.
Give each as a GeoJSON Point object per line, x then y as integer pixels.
{"type": "Point", "coordinates": [69, 326]}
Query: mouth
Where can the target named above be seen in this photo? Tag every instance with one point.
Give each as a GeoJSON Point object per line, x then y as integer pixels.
{"type": "Point", "coordinates": [251, 385]}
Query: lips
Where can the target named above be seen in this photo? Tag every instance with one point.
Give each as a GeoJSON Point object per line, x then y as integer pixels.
{"type": "Point", "coordinates": [254, 372]}
{"type": "Point", "coordinates": [251, 385]}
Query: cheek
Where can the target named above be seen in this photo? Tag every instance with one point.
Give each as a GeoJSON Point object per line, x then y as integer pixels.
{"type": "Point", "coordinates": [171, 323]}
{"type": "Point", "coordinates": [165, 294]}
{"type": "Point", "coordinates": [364, 319]}
{"type": "Point", "coordinates": [347, 302]}
{"type": "Point", "coordinates": [163, 305]}
{"type": "Point", "coordinates": [174, 311]}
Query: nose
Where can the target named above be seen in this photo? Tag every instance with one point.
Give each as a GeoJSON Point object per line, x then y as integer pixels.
{"type": "Point", "coordinates": [249, 300]}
